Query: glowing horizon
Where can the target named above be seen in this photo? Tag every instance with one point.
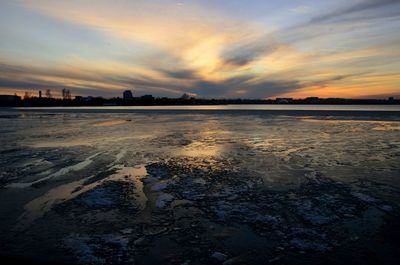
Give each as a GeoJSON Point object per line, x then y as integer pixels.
{"type": "Point", "coordinates": [220, 49]}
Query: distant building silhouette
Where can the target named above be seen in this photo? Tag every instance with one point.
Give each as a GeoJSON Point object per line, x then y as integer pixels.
{"type": "Point", "coordinates": [127, 95]}
{"type": "Point", "coordinates": [9, 100]}
{"type": "Point", "coordinates": [186, 99]}
{"type": "Point", "coordinates": [147, 99]}
{"type": "Point", "coordinates": [40, 93]}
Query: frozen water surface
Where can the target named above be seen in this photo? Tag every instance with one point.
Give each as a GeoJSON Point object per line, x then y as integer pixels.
{"type": "Point", "coordinates": [91, 186]}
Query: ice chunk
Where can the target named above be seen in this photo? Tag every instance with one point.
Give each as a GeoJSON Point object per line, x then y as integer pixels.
{"type": "Point", "coordinates": [302, 244]}
{"type": "Point", "coordinates": [364, 197]}
{"type": "Point", "coordinates": [219, 256]}
{"type": "Point", "coordinates": [86, 248]}
{"type": "Point", "coordinates": [163, 200]}
{"type": "Point", "coordinates": [199, 181]}
{"type": "Point", "coordinates": [386, 208]}
{"type": "Point", "coordinates": [267, 219]}
{"type": "Point", "coordinates": [82, 250]}
{"type": "Point", "coordinates": [126, 231]}
{"type": "Point", "coordinates": [159, 186]}
{"type": "Point", "coordinates": [97, 198]}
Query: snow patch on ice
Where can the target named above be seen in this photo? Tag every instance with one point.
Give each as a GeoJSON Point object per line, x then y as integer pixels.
{"type": "Point", "coordinates": [75, 167]}
{"type": "Point", "coordinates": [63, 171]}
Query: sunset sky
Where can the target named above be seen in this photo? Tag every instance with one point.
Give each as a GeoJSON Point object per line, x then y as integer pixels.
{"type": "Point", "coordinates": [210, 48]}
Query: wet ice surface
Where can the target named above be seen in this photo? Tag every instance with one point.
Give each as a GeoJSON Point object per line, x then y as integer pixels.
{"type": "Point", "coordinates": [199, 188]}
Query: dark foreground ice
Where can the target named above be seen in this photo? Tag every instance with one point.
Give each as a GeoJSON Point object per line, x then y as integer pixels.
{"type": "Point", "coordinates": [199, 188]}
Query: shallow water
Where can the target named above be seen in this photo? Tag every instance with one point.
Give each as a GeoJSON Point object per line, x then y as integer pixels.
{"type": "Point", "coordinates": [296, 107]}
{"type": "Point", "coordinates": [254, 186]}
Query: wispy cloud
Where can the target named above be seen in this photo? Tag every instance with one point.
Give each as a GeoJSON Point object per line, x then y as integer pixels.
{"type": "Point", "coordinates": [366, 9]}
{"type": "Point", "coordinates": [168, 49]}
{"type": "Point", "coordinates": [302, 9]}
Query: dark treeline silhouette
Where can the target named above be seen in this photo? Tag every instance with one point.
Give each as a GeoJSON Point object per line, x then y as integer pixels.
{"type": "Point", "coordinates": [149, 100]}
